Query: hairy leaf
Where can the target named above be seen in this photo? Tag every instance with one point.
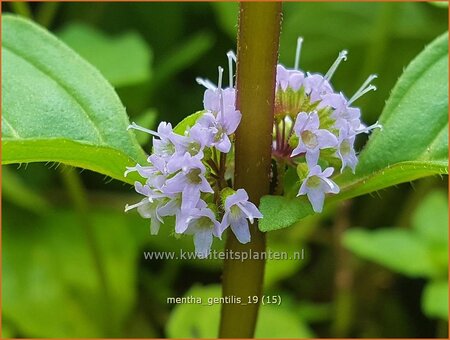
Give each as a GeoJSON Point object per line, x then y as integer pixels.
{"type": "Point", "coordinates": [58, 108]}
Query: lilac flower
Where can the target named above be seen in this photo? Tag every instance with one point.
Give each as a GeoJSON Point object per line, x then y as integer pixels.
{"type": "Point", "coordinates": [221, 117]}
{"type": "Point", "coordinates": [221, 127]}
{"type": "Point", "coordinates": [345, 149]}
{"type": "Point", "coordinates": [215, 100]}
{"type": "Point", "coordinates": [237, 210]}
{"type": "Point", "coordinates": [168, 140]}
{"type": "Point", "coordinates": [316, 185]}
{"type": "Point", "coordinates": [190, 181]}
{"type": "Point", "coordinates": [316, 86]}
{"type": "Point", "coordinates": [173, 208]}
{"type": "Point", "coordinates": [203, 225]}
{"type": "Point", "coordinates": [311, 138]}
{"type": "Point", "coordinates": [149, 206]}
{"type": "Point", "coordinates": [197, 139]}
{"type": "Point", "coordinates": [155, 173]}
{"type": "Point", "coordinates": [289, 78]}
{"type": "Point", "coordinates": [344, 115]}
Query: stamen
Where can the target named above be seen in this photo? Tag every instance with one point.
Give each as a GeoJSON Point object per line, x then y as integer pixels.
{"type": "Point", "coordinates": [342, 56]}
{"type": "Point", "coordinates": [129, 169]}
{"type": "Point", "coordinates": [367, 129]}
{"type": "Point", "coordinates": [140, 128]}
{"type": "Point", "coordinates": [219, 82]}
{"type": "Point", "coordinates": [297, 52]}
{"type": "Point", "coordinates": [219, 86]}
{"type": "Point", "coordinates": [132, 206]}
{"type": "Point", "coordinates": [365, 87]}
{"type": "Point", "coordinates": [230, 55]}
{"type": "Point", "coordinates": [206, 83]}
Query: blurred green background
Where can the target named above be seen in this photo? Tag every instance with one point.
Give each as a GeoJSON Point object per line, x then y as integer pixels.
{"type": "Point", "coordinates": [73, 263]}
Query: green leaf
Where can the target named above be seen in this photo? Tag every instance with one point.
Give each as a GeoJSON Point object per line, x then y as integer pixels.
{"type": "Point", "coordinates": [58, 108]}
{"type": "Point", "coordinates": [394, 249]}
{"type": "Point", "coordinates": [182, 57]}
{"type": "Point", "coordinates": [189, 121]}
{"type": "Point", "coordinates": [430, 220]}
{"type": "Point", "coordinates": [123, 60]}
{"type": "Point", "coordinates": [412, 144]}
{"type": "Point", "coordinates": [193, 320]}
{"type": "Point", "coordinates": [435, 299]}
{"type": "Point", "coordinates": [415, 118]}
{"type": "Point", "coordinates": [277, 270]}
{"type": "Point", "coordinates": [227, 14]}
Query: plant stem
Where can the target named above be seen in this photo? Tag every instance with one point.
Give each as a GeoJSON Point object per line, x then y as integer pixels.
{"type": "Point", "coordinates": [257, 54]}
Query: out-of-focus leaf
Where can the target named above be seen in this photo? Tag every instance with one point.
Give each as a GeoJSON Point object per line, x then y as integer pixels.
{"type": "Point", "coordinates": [397, 249]}
{"type": "Point", "coordinates": [182, 57]}
{"type": "Point", "coordinates": [147, 119]}
{"type": "Point", "coordinates": [57, 107]}
{"type": "Point", "coordinates": [430, 220]}
{"type": "Point", "coordinates": [412, 144]}
{"type": "Point", "coordinates": [202, 320]}
{"type": "Point", "coordinates": [17, 192]}
{"type": "Point", "coordinates": [435, 299]}
{"type": "Point", "coordinates": [314, 312]}
{"type": "Point", "coordinates": [50, 287]}
{"type": "Point", "coordinates": [227, 15]}
{"type": "Point", "coordinates": [280, 269]}
{"type": "Point", "coordinates": [277, 322]}
{"type": "Point", "coordinates": [123, 60]}
{"type": "Point", "coordinates": [430, 223]}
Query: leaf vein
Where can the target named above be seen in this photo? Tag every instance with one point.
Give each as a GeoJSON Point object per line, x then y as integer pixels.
{"type": "Point", "coordinates": [48, 74]}
{"type": "Point", "coordinates": [14, 131]}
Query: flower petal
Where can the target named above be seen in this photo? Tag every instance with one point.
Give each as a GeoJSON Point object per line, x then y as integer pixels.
{"type": "Point", "coordinates": [203, 241]}
{"type": "Point", "coordinates": [316, 197]}
{"type": "Point", "coordinates": [240, 230]}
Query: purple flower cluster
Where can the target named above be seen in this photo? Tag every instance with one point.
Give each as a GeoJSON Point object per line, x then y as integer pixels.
{"type": "Point", "coordinates": [315, 127]}
{"type": "Point", "coordinates": [185, 177]}
{"type": "Point", "coordinates": [189, 173]}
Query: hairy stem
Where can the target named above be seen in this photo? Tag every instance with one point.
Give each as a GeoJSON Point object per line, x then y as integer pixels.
{"type": "Point", "coordinates": [257, 54]}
